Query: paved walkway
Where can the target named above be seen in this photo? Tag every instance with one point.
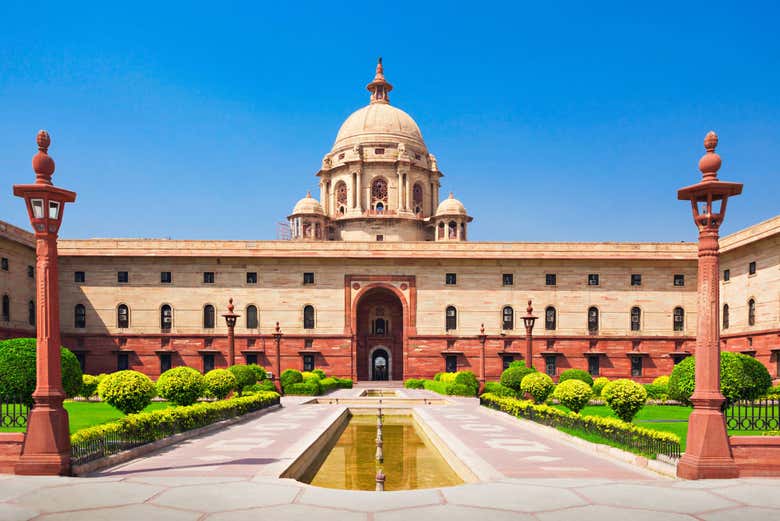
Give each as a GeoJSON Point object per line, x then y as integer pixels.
{"type": "Point", "coordinates": [231, 475]}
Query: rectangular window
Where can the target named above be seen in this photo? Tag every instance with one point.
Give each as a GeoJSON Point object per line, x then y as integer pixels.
{"type": "Point", "coordinates": [308, 277]}
{"type": "Point", "coordinates": [636, 366]}
{"type": "Point", "coordinates": [751, 268]}
{"type": "Point", "coordinates": [166, 277]}
{"type": "Point", "coordinates": [726, 275]}
{"type": "Point", "coordinates": [450, 279]}
{"type": "Point", "coordinates": [122, 277]}
{"type": "Point", "coordinates": [508, 279]}
{"type": "Point", "coordinates": [550, 279]}
{"type": "Point", "coordinates": [208, 362]}
{"type": "Point", "coordinates": [308, 362]}
{"type": "Point", "coordinates": [251, 358]}
{"type": "Point", "coordinates": [593, 365]}
{"type": "Point", "coordinates": [31, 272]}
{"type": "Point", "coordinates": [506, 360]}
{"type": "Point", "coordinates": [636, 279]}
{"type": "Point", "coordinates": [4, 264]}
{"type": "Point", "coordinates": [122, 361]}
{"type": "Point", "coordinates": [679, 280]}
{"type": "Point", "coordinates": [251, 277]}
{"type": "Point", "coordinates": [208, 277]}
{"type": "Point", "coordinates": [165, 362]}
{"type": "Point", "coordinates": [549, 365]}
{"type": "Point", "coordinates": [451, 364]}
{"type": "Point", "coordinates": [79, 276]}
{"type": "Point", "coordinates": [593, 279]}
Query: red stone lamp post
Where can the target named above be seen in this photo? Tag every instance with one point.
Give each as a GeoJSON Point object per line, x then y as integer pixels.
{"type": "Point", "coordinates": [278, 368]}
{"type": "Point", "coordinates": [529, 320]}
{"type": "Point", "coordinates": [482, 340]}
{"type": "Point", "coordinates": [46, 447]}
{"type": "Point", "coordinates": [707, 452]}
{"type": "Point", "coordinates": [230, 319]}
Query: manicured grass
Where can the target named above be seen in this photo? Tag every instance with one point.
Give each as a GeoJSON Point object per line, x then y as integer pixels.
{"type": "Point", "coordinates": [87, 414]}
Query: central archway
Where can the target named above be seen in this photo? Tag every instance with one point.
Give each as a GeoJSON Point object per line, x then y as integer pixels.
{"type": "Point", "coordinates": [379, 335]}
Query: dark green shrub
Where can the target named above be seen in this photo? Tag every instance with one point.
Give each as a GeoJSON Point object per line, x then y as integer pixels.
{"type": "Point", "coordinates": [625, 397]}
{"type": "Point", "coordinates": [289, 377]}
{"type": "Point", "coordinates": [244, 374]}
{"type": "Point", "coordinates": [513, 376]}
{"type": "Point", "coordinates": [89, 385]}
{"type": "Point", "coordinates": [573, 394]}
{"type": "Point", "coordinates": [302, 388]}
{"type": "Point", "coordinates": [598, 385]}
{"type": "Point", "coordinates": [128, 391]}
{"type": "Point", "coordinates": [456, 389]}
{"type": "Point", "coordinates": [655, 392]}
{"type": "Point", "coordinates": [320, 374]}
{"type": "Point", "coordinates": [181, 385]}
{"type": "Point", "coordinates": [467, 378]}
{"type": "Point", "coordinates": [437, 377]}
{"type": "Point", "coordinates": [219, 383]}
{"type": "Point", "coordinates": [576, 374]}
{"type": "Point", "coordinates": [437, 387]}
{"type": "Point", "coordinates": [414, 383]}
{"type": "Point", "coordinates": [260, 372]}
{"type": "Point", "coordinates": [344, 383]}
{"type": "Point", "coordinates": [538, 385]}
{"type": "Point", "coordinates": [499, 390]}
{"type": "Point", "coordinates": [18, 369]}
{"type": "Point", "coordinates": [262, 386]}
{"type": "Point", "coordinates": [328, 384]}
{"type": "Point", "coordinates": [742, 377]}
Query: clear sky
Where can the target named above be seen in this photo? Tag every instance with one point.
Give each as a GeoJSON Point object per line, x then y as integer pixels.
{"type": "Point", "coordinates": [550, 121]}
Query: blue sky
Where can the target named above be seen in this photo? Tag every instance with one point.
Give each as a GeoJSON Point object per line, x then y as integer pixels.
{"type": "Point", "coordinates": [551, 121]}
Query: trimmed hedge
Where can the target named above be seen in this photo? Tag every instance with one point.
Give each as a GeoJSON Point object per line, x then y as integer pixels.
{"type": "Point", "coordinates": [628, 435]}
{"type": "Point", "coordinates": [181, 385]}
{"type": "Point", "coordinates": [576, 374]}
{"type": "Point", "coordinates": [512, 377]}
{"type": "Point", "coordinates": [573, 393]}
{"type": "Point", "coordinates": [538, 385]}
{"type": "Point", "coordinates": [260, 372]}
{"type": "Point", "coordinates": [742, 377]}
{"type": "Point", "coordinates": [128, 391]}
{"type": "Point", "coordinates": [414, 383]}
{"type": "Point", "coordinates": [18, 369]}
{"type": "Point", "coordinates": [289, 377]}
{"type": "Point", "coordinates": [244, 374]}
{"type": "Point", "coordinates": [303, 388]}
{"type": "Point", "coordinates": [461, 383]}
{"type": "Point", "coordinates": [499, 390]}
{"type": "Point", "coordinates": [89, 385]}
{"type": "Point", "coordinates": [625, 397]}
{"type": "Point", "coordinates": [219, 383]}
{"type": "Point", "coordinates": [264, 386]}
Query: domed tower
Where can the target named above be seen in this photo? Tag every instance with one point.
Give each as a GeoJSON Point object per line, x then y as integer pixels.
{"type": "Point", "coordinates": [450, 220]}
{"type": "Point", "coordinates": [307, 220]}
{"type": "Point", "coordinates": [379, 182]}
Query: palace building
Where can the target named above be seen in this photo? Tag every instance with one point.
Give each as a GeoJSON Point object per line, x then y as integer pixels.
{"type": "Point", "coordinates": [378, 280]}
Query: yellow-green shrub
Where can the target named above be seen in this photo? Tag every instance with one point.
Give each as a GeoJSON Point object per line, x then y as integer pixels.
{"type": "Point", "coordinates": [538, 385]}
{"type": "Point", "coordinates": [220, 382]}
{"type": "Point", "coordinates": [181, 385]}
{"type": "Point", "coordinates": [625, 397]}
{"type": "Point", "coordinates": [89, 385]}
{"type": "Point", "coordinates": [128, 391]}
{"type": "Point", "coordinates": [598, 385]}
{"type": "Point", "coordinates": [573, 394]}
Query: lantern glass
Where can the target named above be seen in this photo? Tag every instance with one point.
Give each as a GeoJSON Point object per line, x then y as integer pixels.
{"type": "Point", "coordinates": [37, 208]}
{"type": "Point", "coordinates": [54, 210]}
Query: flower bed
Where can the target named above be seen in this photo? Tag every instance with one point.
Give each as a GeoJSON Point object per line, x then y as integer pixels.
{"type": "Point", "coordinates": [623, 434]}
{"type": "Point", "coordinates": [138, 429]}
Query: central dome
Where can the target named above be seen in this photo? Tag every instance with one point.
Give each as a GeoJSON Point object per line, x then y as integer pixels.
{"type": "Point", "coordinates": [379, 122]}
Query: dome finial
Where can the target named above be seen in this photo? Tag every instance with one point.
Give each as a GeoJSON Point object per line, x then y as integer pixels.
{"type": "Point", "coordinates": [451, 196]}
{"type": "Point", "coordinates": [710, 162]}
{"type": "Point", "coordinates": [379, 88]}
{"type": "Point", "coordinates": [308, 194]}
{"type": "Point", "coordinates": [42, 163]}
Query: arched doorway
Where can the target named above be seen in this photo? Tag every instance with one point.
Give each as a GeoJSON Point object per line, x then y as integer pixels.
{"type": "Point", "coordinates": [379, 335]}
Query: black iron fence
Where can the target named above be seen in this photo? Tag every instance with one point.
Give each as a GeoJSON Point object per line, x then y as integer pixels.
{"type": "Point", "coordinates": [755, 415]}
{"type": "Point", "coordinates": [13, 412]}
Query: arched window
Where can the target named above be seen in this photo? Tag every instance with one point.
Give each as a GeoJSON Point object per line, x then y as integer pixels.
{"type": "Point", "coordinates": [751, 312]}
{"type": "Point", "coordinates": [6, 308]}
{"type": "Point", "coordinates": [417, 198]}
{"type": "Point", "coordinates": [80, 316]}
{"type": "Point", "coordinates": [451, 318]}
{"type": "Point", "coordinates": [341, 197]}
{"type": "Point", "coordinates": [453, 230]}
{"type": "Point", "coordinates": [208, 316]}
{"type": "Point", "coordinates": [550, 318]}
{"type": "Point", "coordinates": [636, 318]}
{"type": "Point", "coordinates": [31, 313]}
{"type": "Point", "coordinates": [441, 230]}
{"type": "Point", "coordinates": [308, 317]}
{"type": "Point", "coordinates": [379, 194]}
{"type": "Point", "coordinates": [122, 316]}
{"type": "Point", "coordinates": [251, 317]}
{"type": "Point", "coordinates": [593, 319]}
{"type": "Point", "coordinates": [725, 316]}
{"type": "Point", "coordinates": [166, 316]}
{"type": "Point", "coordinates": [507, 318]}
{"type": "Point", "coordinates": [679, 319]}
{"type": "Point", "coordinates": [462, 231]}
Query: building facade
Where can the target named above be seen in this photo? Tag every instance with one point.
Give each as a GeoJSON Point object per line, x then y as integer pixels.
{"type": "Point", "coordinates": [379, 281]}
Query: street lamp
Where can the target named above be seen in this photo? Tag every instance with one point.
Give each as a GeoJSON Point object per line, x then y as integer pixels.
{"type": "Point", "coordinates": [707, 452]}
{"type": "Point", "coordinates": [482, 339]}
{"type": "Point", "coordinates": [230, 319]}
{"type": "Point", "coordinates": [46, 448]}
{"type": "Point", "coordinates": [278, 340]}
{"type": "Point", "coordinates": [528, 320]}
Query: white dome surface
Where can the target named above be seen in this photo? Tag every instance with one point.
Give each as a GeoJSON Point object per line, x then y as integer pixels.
{"type": "Point", "coordinates": [379, 122]}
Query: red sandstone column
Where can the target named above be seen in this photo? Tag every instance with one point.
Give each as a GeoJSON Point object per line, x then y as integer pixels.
{"type": "Point", "coordinates": [230, 319]}
{"type": "Point", "coordinates": [708, 454]}
{"type": "Point", "coordinates": [278, 368]}
{"type": "Point", "coordinates": [482, 339]}
{"type": "Point", "coordinates": [46, 448]}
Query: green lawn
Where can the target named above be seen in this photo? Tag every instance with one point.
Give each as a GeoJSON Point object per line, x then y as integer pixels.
{"type": "Point", "coordinates": [87, 414]}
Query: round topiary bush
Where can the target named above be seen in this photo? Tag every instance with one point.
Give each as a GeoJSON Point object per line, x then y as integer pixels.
{"type": "Point", "coordinates": [573, 394]}
{"type": "Point", "coordinates": [245, 376]}
{"type": "Point", "coordinates": [576, 374]}
{"type": "Point", "coordinates": [89, 385]}
{"type": "Point", "coordinates": [260, 372]}
{"type": "Point", "coordinates": [18, 369]}
{"type": "Point", "coordinates": [128, 391]}
{"type": "Point", "coordinates": [625, 397]}
{"type": "Point", "coordinates": [181, 385]}
{"type": "Point", "coordinates": [742, 377]}
{"type": "Point", "coordinates": [290, 377]}
{"type": "Point", "coordinates": [598, 385]}
{"type": "Point", "coordinates": [538, 385]}
{"type": "Point", "coordinates": [468, 379]}
{"type": "Point", "coordinates": [513, 376]}
{"type": "Point", "coordinates": [219, 383]}
{"type": "Point", "coordinates": [662, 382]}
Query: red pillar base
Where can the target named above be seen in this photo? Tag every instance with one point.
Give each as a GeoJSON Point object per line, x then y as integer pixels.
{"type": "Point", "coordinates": [46, 449]}
{"type": "Point", "coordinates": [707, 453]}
